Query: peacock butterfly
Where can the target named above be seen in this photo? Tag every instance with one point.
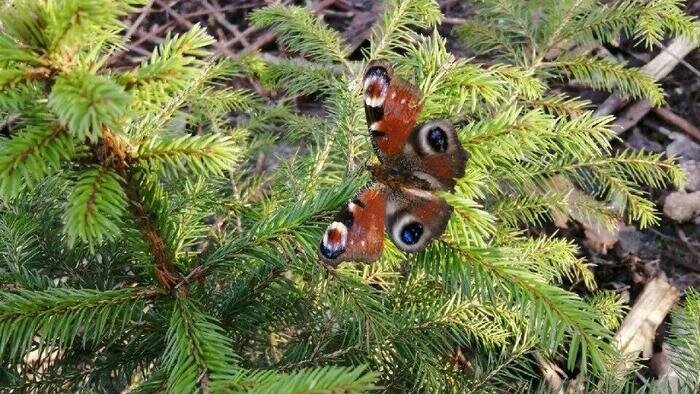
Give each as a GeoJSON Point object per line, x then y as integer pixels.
{"type": "Point", "coordinates": [414, 159]}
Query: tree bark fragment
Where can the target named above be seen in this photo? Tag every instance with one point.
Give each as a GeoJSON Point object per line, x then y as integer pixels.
{"type": "Point", "coordinates": [638, 330]}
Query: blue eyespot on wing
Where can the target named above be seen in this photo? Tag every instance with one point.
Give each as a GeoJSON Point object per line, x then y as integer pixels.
{"type": "Point", "coordinates": [416, 217]}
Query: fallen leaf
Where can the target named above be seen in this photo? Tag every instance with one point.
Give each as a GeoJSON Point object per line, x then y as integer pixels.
{"type": "Point", "coordinates": [630, 240]}
{"type": "Point", "coordinates": [687, 280]}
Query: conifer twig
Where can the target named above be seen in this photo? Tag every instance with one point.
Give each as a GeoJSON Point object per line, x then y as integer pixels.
{"type": "Point", "coordinates": [269, 37]}
{"type": "Point", "coordinates": [669, 116]}
{"type": "Point", "coordinates": [145, 11]}
{"type": "Point", "coordinates": [112, 151]}
{"type": "Point", "coordinates": [658, 68]}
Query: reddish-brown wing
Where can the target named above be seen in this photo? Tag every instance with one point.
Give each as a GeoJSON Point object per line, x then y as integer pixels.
{"type": "Point", "coordinates": [415, 217]}
{"type": "Point", "coordinates": [357, 231]}
{"type": "Point", "coordinates": [430, 151]}
{"type": "Point", "coordinates": [436, 154]}
{"type": "Point", "coordinates": [392, 106]}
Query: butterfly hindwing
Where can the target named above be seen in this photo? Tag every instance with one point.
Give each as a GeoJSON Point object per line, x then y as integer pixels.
{"type": "Point", "coordinates": [436, 154]}
{"type": "Point", "coordinates": [357, 231]}
{"type": "Point", "coordinates": [415, 217]}
{"type": "Point", "coordinates": [392, 106]}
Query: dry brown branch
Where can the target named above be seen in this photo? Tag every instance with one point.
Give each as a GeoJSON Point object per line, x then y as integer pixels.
{"type": "Point", "coordinates": [144, 13]}
{"type": "Point", "coordinates": [638, 330]}
{"type": "Point", "coordinates": [681, 123]}
{"type": "Point", "coordinates": [631, 116]}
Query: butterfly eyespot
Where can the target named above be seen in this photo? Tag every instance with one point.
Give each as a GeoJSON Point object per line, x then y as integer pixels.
{"type": "Point", "coordinates": [329, 253]}
{"type": "Point", "coordinates": [433, 137]}
{"type": "Point", "coordinates": [437, 138]}
{"type": "Point", "coordinates": [411, 233]}
{"type": "Point", "coordinates": [334, 241]}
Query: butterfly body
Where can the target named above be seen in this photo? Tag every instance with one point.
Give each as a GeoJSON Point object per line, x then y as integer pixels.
{"type": "Point", "coordinates": [414, 160]}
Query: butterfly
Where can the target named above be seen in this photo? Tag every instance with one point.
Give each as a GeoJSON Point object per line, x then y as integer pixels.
{"type": "Point", "coordinates": [414, 160]}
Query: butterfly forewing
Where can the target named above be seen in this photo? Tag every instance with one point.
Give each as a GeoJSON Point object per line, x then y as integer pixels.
{"type": "Point", "coordinates": [392, 107]}
{"type": "Point", "coordinates": [430, 151]}
{"type": "Point", "coordinates": [357, 231]}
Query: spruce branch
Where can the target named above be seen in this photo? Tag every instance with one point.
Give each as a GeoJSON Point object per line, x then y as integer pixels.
{"type": "Point", "coordinates": [456, 317]}
{"type": "Point", "coordinates": [113, 152]}
{"type": "Point", "coordinates": [222, 101]}
{"type": "Point", "coordinates": [520, 81]}
{"type": "Point", "coordinates": [486, 38]}
{"type": "Point", "coordinates": [203, 155]}
{"type": "Point", "coordinates": [470, 224]}
{"type": "Point", "coordinates": [20, 250]}
{"type": "Point", "coordinates": [11, 76]}
{"type": "Point", "coordinates": [155, 382]}
{"type": "Point", "coordinates": [10, 53]}
{"type": "Point", "coordinates": [615, 178]}
{"type": "Point", "coordinates": [555, 260]}
{"type": "Point", "coordinates": [560, 314]}
{"type": "Point", "coordinates": [156, 120]}
{"type": "Point", "coordinates": [85, 103]}
{"type": "Point", "coordinates": [450, 86]}
{"type": "Point", "coordinates": [504, 368]}
{"type": "Point", "coordinates": [301, 32]}
{"type": "Point", "coordinates": [585, 136]}
{"type": "Point", "coordinates": [235, 265]}
{"type": "Point", "coordinates": [35, 152]}
{"type": "Point", "coordinates": [602, 22]}
{"type": "Point", "coordinates": [324, 380]}
{"type": "Point", "coordinates": [163, 258]}
{"type": "Point", "coordinates": [611, 76]}
{"type": "Point", "coordinates": [684, 342]}
{"type": "Point", "coordinates": [562, 105]}
{"type": "Point", "coordinates": [395, 25]}
{"type": "Point", "coordinates": [19, 106]}
{"type": "Point", "coordinates": [198, 354]}
{"type": "Point", "coordinates": [609, 306]}
{"type": "Point", "coordinates": [300, 78]}
{"type": "Point", "coordinates": [658, 17]}
{"type": "Point", "coordinates": [68, 21]}
{"type": "Point", "coordinates": [513, 210]}
{"type": "Point", "coordinates": [175, 60]}
{"type": "Point", "coordinates": [21, 21]}
{"type": "Point", "coordinates": [289, 219]}
{"type": "Point", "coordinates": [511, 134]}
{"type": "Point", "coordinates": [345, 110]}
{"type": "Point", "coordinates": [171, 69]}
{"type": "Point", "coordinates": [95, 206]}
{"type": "Point", "coordinates": [60, 315]}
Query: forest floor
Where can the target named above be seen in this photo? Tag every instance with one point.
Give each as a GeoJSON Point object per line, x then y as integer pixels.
{"type": "Point", "coordinates": [625, 261]}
